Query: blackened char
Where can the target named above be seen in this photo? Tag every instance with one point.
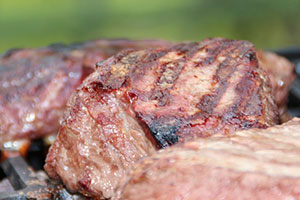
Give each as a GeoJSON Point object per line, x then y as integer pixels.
{"type": "Point", "coordinates": [172, 94]}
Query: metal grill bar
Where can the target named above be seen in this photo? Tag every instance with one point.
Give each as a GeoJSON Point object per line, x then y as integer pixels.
{"type": "Point", "coordinates": [27, 184]}
{"type": "Point", "coordinates": [23, 180]}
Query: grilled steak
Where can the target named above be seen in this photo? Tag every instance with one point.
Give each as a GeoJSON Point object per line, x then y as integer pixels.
{"type": "Point", "coordinates": [139, 101]}
{"type": "Point", "coordinates": [251, 164]}
{"type": "Point", "coordinates": [281, 73]}
{"type": "Point", "coordinates": [36, 83]}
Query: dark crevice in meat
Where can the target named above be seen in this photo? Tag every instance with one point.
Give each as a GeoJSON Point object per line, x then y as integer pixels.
{"type": "Point", "coordinates": [164, 131]}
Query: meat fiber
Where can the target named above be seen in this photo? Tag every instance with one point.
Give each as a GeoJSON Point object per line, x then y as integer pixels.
{"type": "Point", "coordinates": [139, 101]}
{"type": "Point", "coordinates": [35, 84]}
{"type": "Point", "coordinates": [251, 164]}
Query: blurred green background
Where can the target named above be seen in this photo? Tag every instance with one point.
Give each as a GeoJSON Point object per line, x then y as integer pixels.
{"type": "Point", "coordinates": [33, 23]}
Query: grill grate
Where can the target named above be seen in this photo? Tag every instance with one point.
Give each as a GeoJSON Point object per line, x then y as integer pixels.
{"type": "Point", "coordinates": [21, 182]}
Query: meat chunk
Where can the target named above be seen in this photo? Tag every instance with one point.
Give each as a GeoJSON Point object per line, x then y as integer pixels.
{"type": "Point", "coordinates": [250, 164]}
{"type": "Point", "coordinates": [139, 101]}
{"type": "Point", "coordinates": [35, 84]}
{"type": "Point", "coordinates": [282, 75]}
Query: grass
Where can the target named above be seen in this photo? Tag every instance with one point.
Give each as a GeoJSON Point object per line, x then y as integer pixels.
{"type": "Point", "coordinates": [33, 23]}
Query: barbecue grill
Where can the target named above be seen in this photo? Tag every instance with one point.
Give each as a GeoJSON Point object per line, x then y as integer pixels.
{"type": "Point", "coordinates": [24, 177]}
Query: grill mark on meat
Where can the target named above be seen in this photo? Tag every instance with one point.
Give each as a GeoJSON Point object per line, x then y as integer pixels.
{"type": "Point", "coordinates": [245, 87]}
{"type": "Point", "coordinates": [164, 128]}
{"type": "Point", "coordinates": [229, 53]}
{"type": "Point", "coordinates": [113, 73]}
{"type": "Point", "coordinates": [167, 75]}
{"type": "Point", "coordinates": [224, 72]}
{"type": "Point", "coordinates": [168, 71]}
{"type": "Point", "coordinates": [144, 75]}
{"type": "Point", "coordinates": [169, 68]}
{"type": "Point", "coordinates": [209, 101]}
{"type": "Point", "coordinates": [188, 49]}
{"type": "Point", "coordinates": [214, 50]}
{"type": "Point", "coordinates": [231, 95]}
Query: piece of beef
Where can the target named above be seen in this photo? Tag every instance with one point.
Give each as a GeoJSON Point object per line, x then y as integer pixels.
{"type": "Point", "coordinates": [139, 101]}
{"type": "Point", "coordinates": [282, 75]}
{"type": "Point", "coordinates": [35, 84]}
{"type": "Point", "coordinates": [250, 164]}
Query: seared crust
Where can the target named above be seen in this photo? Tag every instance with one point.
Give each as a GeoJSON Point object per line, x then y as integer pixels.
{"type": "Point", "coordinates": [194, 89]}
{"type": "Point", "coordinates": [167, 94]}
{"type": "Point", "coordinates": [250, 164]}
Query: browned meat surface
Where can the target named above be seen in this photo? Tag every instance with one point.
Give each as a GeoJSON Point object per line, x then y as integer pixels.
{"type": "Point", "coordinates": [172, 95]}
{"type": "Point", "coordinates": [252, 164]}
{"type": "Point", "coordinates": [35, 84]}
{"type": "Point", "coordinates": [281, 73]}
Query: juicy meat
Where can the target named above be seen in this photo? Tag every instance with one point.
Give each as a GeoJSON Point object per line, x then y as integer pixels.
{"type": "Point", "coordinates": [251, 164]}
{"type": "Point", "coordinates": [282, 75]}
{"type": "Point", "coordinates": [138, 101]}
{"type": "Point", "coordinates": [35, 84]}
